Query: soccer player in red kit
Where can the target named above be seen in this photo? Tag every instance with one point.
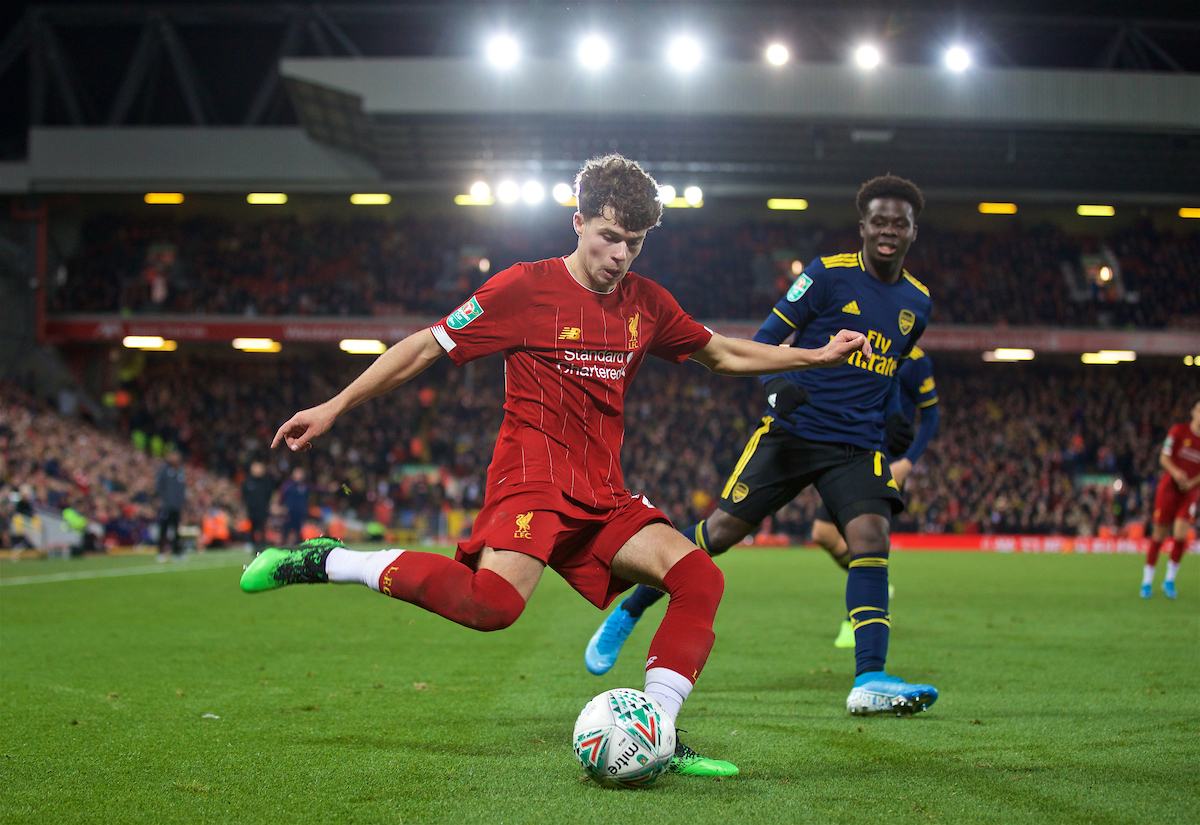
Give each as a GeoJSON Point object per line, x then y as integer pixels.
{"type": "Point", "coordinates": [1175, 501]}
{"type": "Point", "coordinates": [573, 331]}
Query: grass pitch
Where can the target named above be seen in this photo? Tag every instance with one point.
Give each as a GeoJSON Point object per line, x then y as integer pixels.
{"type": "Point", "coordinates": [163, 694]}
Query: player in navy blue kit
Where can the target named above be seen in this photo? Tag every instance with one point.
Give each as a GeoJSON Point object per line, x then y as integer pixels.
{"type": "Point", "coordinates": [826, 430]}
{"type": "Point", "coordinates": [918, 391]}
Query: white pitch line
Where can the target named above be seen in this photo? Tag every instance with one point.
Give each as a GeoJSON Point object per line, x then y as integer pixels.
{"type": "Point", "coordinates": [169, 567]}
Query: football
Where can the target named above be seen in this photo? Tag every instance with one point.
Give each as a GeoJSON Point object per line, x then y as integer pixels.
{"type": "Point", "coordinates": [623, 739]}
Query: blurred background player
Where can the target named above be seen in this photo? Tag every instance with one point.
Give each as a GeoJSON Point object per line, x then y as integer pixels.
{"type": "Point", "coordinates": [826, 429]}
{"type": "Point", "coordinates": [170, 485]}
{"type": "Point", "coordinates": [293, 495]}
{"type": "Point", "coordinates": [257, 490]}
{"type": "Point", "coordinates": [1175, 501]}
{"type": "Point", "coordinates": [917, 392]}
{"type": "Point", "coordinates": [574, 331]}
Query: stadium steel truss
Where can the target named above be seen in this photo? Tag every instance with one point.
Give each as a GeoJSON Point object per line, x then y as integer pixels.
{"type": "Point", "coordinates": [219, 66]}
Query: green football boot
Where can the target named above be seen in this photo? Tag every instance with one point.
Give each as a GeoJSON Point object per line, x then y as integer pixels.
{"type": "Point", "coordinates": [845, 635]}
{"type": "Point", "coordinates": [274, 567]}
{"type": "Point", "coordinates": [689, 763]}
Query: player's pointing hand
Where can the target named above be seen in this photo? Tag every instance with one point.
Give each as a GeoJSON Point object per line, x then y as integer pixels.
{"type": "Point", "coordinates": [299, 430]}
{"type": "Point", "coordinates": [841, 347]}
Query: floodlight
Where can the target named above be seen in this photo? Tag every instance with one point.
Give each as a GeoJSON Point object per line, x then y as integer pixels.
{"type": "Point", "coordinates": [987, 208]}
{"type": "Point", "coordinates": [795, 204]}
{"type": "Point", "coordinates": [797, 267]}
{"type": "Point", "coordinates": [503, 51]}
{"type": "Point", "coordinates": [142, 341]}
{"type": "Point", "coordinates": [256, 345]}
{"type": "Point", "coordinates": [508, 192]}
{"type": "Point", "coordinates": [1108, 356]}
{"type": "Point", "coordinates": [533, 192]}
{"type": "Point", "coordinates": [867, 56]}
{"type": "Point", "coordinates": [1095, 210]}
{"type": "Point", "coordinates": [563, 193]}
{"type": "Point", "coordinates": [1188, 360]}
{"type": "Point", "coordinates": [371, 199]}
{"type": "Point", "coordinates": [1189, 212]}
{"type": "Point", "coordinates": [363, 346]}
{"type": "Point", "coordinates": [957, 59]}
{"type": "Point", "coordinates": [666, 193]}
{"type": "Point", "coordinates": [777, 54]}
{"type": "Point", "coordinates": [594, 52]}
{"type": "Point", "coordinates": [693, 195]}
{"type": "Point", "coordinates": [480, 191]}
{"type": "Point", "coordinates": [683, 54]}
{"type": "Point", "coordinates": [164, 197]}
{"type": "Point", "coordinates": [485, 265]}
{"type": "Point", "coordinates": [266, 198]}
{"type": "Point", "coordinates": [1009, 354]}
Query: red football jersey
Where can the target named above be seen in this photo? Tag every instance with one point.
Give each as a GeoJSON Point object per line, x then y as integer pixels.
{"type": "Point", "coordinates": [570, 354]}
{"type": "Point", "coordinates": [1183, 448]}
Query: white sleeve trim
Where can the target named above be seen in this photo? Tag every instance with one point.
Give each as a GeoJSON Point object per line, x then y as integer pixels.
{"type": "Point", "coordinates": [442, 337]}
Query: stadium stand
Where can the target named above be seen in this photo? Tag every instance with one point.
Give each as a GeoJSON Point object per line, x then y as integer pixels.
{"type": "Point", "coordinates": [1068, 449]}
{"type": "Point", "coordinates": [362, 267]}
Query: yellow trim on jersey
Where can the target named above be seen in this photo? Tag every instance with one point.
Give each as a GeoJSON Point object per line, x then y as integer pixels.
{"type": "Point", "coordinates": [784, 317]}
{"type": "Point", "coordinates": [856, 625]}
{"type": "Point", "coordinates": [916, 353]}
{"type": "Point", "coordinates": [869, 561]}
{"type": "Point", "coordinates": [917, 283]}
{"type": "Point", "coordinates": [861, 609]}
{"type": "Point", "coordinates": [747, 454]}
{"type": "Point", "coordinates": [928, 403]}
{"type": "Point", "coordinates": [879, 464]}
{"type": "Point", "coordinates": [847, 259]}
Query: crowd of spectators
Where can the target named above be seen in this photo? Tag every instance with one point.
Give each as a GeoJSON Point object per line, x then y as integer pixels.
{"type": "Point", "coordinates": [289, 266]}
{"type": "Point", "coordinates": [1042, 448]}
{"type": "Point", "coordinates": [51, 463]}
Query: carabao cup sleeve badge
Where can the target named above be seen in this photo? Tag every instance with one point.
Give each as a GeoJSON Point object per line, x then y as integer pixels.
{"type": "Point", "coordinates": [465, 314]}
{"type": "Point", "coordinates": [800, 287]}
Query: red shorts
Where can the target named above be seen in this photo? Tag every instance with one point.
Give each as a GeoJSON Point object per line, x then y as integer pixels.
{"type": "Point", "coordinates": [576, 541]}
{"type": "Point", "coordinates": [1171, 504]}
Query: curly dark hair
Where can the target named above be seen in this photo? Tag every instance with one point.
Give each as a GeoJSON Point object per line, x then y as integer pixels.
{"type": "Point", "coordinates": [617, 183]}
{"type": "Point", "coordinates": [890, 186]}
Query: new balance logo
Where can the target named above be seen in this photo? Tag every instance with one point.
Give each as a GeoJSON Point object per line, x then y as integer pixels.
{"type": "Point", "coordinates": [570, 334]}
{"type": "Point", "coordinates": [851, 308]}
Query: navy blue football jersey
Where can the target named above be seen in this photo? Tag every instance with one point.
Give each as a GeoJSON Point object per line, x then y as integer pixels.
{"type": "Point", "coordinates": [846, 404]}
{"type": "Point", "coordinates": [917, 392]}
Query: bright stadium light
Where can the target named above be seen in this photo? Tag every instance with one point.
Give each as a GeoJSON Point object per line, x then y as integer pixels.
{"type": "Point", "coordinates": [480, 191]}
{"type": "Point", "coordinates": [503, 52]}
{"type": "Point", "coordinates": [1189, 212]}
{"type": "Point", "coordinates": [683, 54]}
{"type": "Point", "coordinates": [594, 52]}
{"type": "Point", "coordinates": [957, 59]}
{"type": "Point", "coordinates": [485, 265]}
{"type": "Point", "coordinates": [1188, 360]}
{"type": "Point", "coordinates": [256, 345]}
{"type": "Point", "coordinates": [1108, 356]}
{"type": "Point", "coordinates": [164, 197]}
{"type": "Point", "coordinates": [266, 198]}
{"type": "Point", "coordinates": [533, 192]}
{"type": "Point", "coordinates": [363, 346]}
{"type": "Point", "coordinates": [797, 267]}
{"type": "Point", "coordinates": [997, 208]}
{"type": "Point", "coordinates": [508, 192]}
{"type": "Point", "coordinates": [143, 341]}
{"type": "Point", "coordinates": [793, 204]}
{"type": "Point", "coordinates": [867, 56]}
{"type": "Point", "coordinates": [1008, 354]}
{"type": "Point", "coordinates": [563, 193]}
{"type": "Point", "coordinates": [666, 193]}
{"type": "Point", "coordinates": [1095, 210]}
{"type": "Point", "coordinates": [694, 195]}
{"type": "Point", "coordinates": [777, 54]}
{"type": "Point", "coordinates": [371, 199]}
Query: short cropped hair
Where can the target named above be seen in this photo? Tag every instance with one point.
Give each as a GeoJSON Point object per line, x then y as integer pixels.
{"type": "Point", "coordinates": [890, 186]}
{"type": "Point", "coordinates": [622, 185]}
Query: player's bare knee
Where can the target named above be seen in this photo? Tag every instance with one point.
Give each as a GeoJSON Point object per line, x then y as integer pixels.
{"type": "Point", "coordinates": [868, 534]}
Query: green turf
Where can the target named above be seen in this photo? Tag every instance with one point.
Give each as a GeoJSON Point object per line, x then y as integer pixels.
{"type": "Point", "coordinates": [1065, 698]}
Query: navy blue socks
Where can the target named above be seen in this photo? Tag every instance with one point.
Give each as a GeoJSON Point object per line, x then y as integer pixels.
{"type": "Point", "coordinates": [867, 605]}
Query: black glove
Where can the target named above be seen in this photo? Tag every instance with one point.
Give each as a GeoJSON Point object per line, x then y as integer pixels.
{"type": "Point", "coordinates": [900, 434]}
{"type": "Point", "coordinates": [784, 398]}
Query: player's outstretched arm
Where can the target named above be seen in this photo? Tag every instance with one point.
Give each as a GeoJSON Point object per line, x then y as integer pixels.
{"type": "Point", "coordinates": [737, 356]}
{"type": "Point", "coordinates": [399, 364]}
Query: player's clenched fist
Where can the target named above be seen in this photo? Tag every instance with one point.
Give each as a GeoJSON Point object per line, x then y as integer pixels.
{"type": "Point", "coordinates": [299, 430]}
{"type": "Point", "coordinates": [841, 347]}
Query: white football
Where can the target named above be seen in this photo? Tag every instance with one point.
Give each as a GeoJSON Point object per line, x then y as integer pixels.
{"type": "Point", "coordinates": [624, 739]}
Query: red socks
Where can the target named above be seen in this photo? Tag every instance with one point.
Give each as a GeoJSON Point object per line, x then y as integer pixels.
{"type": "Point", "coordinates": [1152, 553]}
{"type": "Point", "coordinates": [685, 637]}
{"type": "Point", "coordinates": [480, 600]}
{"type": "Point", "coordinates": [1178, 550]}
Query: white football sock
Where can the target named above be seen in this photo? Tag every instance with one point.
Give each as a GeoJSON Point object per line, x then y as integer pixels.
{"type": "Point", "coordinates": [1172, 570]}
{"type": "Point", "coordinates": [1148, 574]}
{"type": "Point", "coordinates": [668, 688]}
{"type": "Point", "coordinates": [352, 567]}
